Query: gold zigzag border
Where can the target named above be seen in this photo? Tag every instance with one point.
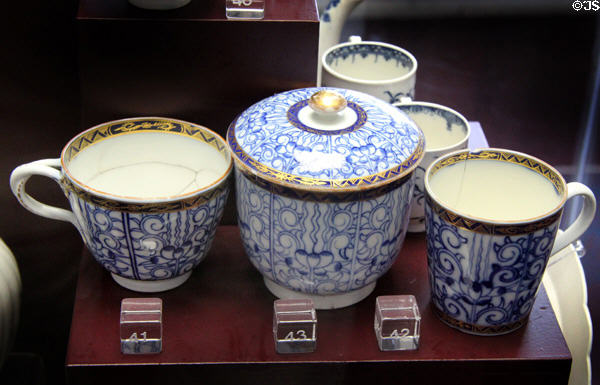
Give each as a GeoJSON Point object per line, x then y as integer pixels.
{"type": "Point", "coordinates": [508, 157]}
{"type": "Point", "coordinates": [326, 196]}
{"type": "Point", "coordinates": [113, 129]}
{"type": "Point", "coordinates": [127, 126]}
{"type": "Point", "coordinates": [490, 228]}
{"type": "Point", "coordinates": [484, 227]}
{"type": "Point", "coordinates": [270, 175]}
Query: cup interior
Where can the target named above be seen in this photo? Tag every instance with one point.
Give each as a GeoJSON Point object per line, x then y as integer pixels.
{"type": "Point", "coordinates": [369, 62]}
{"type": "Point", "coordinates": [443, 127]}
{"type": "Point", "coordinates": [495, 186]}
{"type": "Point", "coordinates": [146, 159]}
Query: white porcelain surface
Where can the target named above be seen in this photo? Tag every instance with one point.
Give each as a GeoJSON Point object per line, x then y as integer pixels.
{"type": "Point", "coordinates": [10, 292]}
{"type": "Point", "coordinates": [486, 188]}
{"type": "Point", "coordinates": [383, 70]}
{"type": "Point", "coordinates": [182, 165]}
{"type": "Point", "coordinates": [331, 23]}
{"type": "Point", "coordinates": [455, 137]}
{"type": "Point", "coordinates": [322, 302]}
{"type": "Point", "coordinates": [151, 286]}
{"type": "Point", "coordinates": [565, 285]}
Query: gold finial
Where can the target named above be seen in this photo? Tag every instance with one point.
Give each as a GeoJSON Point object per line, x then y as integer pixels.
{"type": "Point", "coordinates": [327, 101]}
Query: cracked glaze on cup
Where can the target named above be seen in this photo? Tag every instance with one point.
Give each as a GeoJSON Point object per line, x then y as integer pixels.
{"type": "Point", "coordinates": [485, 273]}
{"type": "Point", "coordinates": [445, 131]}
{"type": "Point", "coordinates": [148, 244]}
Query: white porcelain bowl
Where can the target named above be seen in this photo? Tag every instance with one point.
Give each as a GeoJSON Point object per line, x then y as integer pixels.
{"type": "Point", "coordinates": [10, 299]}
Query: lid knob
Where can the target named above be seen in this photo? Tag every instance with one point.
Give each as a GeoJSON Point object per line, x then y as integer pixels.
{"type": "Point", "coordinates": [327, 102]}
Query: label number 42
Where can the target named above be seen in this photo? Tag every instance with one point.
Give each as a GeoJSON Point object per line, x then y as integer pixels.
{"type": "Point", "coordinates": [402, 333]}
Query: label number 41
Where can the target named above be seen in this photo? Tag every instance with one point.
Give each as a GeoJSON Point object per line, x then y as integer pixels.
{"type": "Point", "coordinates": [134, 337]}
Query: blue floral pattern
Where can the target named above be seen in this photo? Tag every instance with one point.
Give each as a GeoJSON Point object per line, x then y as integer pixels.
{"type": "Point", "coordinates": [485, 282]}
{"type": "Point", "coordinates": [365, 49]}
{"type": "Point", "coordinates": [322, 248]}
{"type": "Point", "coordinates": [394, 97]}
{"type": "Point", "coordinates": [348, 65]}
{"type": "Point", "coordinates": [450, 117]}
{"type": "Point", "coordinates": [417, 214]}
{"type": "Point", "coordinates": [264, 133]}
{"type": "Point", "coordinates": [332, 4]}
{"type": "Point", "coordinates": [150, 246]}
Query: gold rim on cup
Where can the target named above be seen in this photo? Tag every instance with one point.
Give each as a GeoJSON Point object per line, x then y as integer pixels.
{"type": "Point", "coordinates": [487, 226]}
{"type": "Point", "coordinates": [137, 125]}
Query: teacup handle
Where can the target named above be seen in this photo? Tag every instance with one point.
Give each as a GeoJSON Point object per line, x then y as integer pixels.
{"type": "Point", "coordinates": [584, 219]}
{"type": "Point", "coordinates": [354, 39]}
{"type": "Point", "coordinates": [46, 167]}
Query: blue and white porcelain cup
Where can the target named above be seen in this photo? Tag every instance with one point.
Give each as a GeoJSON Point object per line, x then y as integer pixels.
{"type": "Point", "coordinates": [446, 130]}
{"type": "Point", "coordinates": [492, 223]}
{"type": "Point", "coordinates": [379, 69]}
{"type": "Point", "coordinates": [146, 195]}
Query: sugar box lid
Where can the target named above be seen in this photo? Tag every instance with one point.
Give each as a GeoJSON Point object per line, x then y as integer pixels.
{"type": "Point", "coordinates": [325, 139]}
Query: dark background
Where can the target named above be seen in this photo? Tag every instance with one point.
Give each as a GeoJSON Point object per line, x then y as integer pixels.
{"type": "Point", "coordinates": [524, 74]}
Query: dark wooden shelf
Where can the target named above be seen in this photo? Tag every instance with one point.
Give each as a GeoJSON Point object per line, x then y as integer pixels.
{"type": "Point", "coordinates": [218, 327]}
{"type": "Point", "coordinates": [191, 63]}
{"type": "Point", "coordinates": [211, 10]}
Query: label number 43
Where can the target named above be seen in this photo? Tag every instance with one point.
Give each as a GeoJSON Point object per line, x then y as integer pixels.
{"type": "Point", "coordinates": [300, 335]}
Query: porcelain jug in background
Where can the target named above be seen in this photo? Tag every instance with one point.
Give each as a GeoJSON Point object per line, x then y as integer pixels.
{"type": "Point", "coordinates": [330, 28]}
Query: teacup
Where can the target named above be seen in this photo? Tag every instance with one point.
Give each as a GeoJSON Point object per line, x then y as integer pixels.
{"type": "Point", "coordinates": [379, 69]}
{"type": "Point", "coordinates": [445, 131]}
{"type": "Point", "coordinates": [492, 219]}
{"type": "Point", "coordinates": [146, 195]}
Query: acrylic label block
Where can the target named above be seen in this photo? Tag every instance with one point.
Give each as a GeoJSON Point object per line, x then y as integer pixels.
{"type": "Point", "coordinates": [294, 326]}
{"type": "Point", "coordinates": [245, 9]}
{"type": "Point", "coordinates": [397, 322]}
{"type": "Point", "coordinates": [141, 325]}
